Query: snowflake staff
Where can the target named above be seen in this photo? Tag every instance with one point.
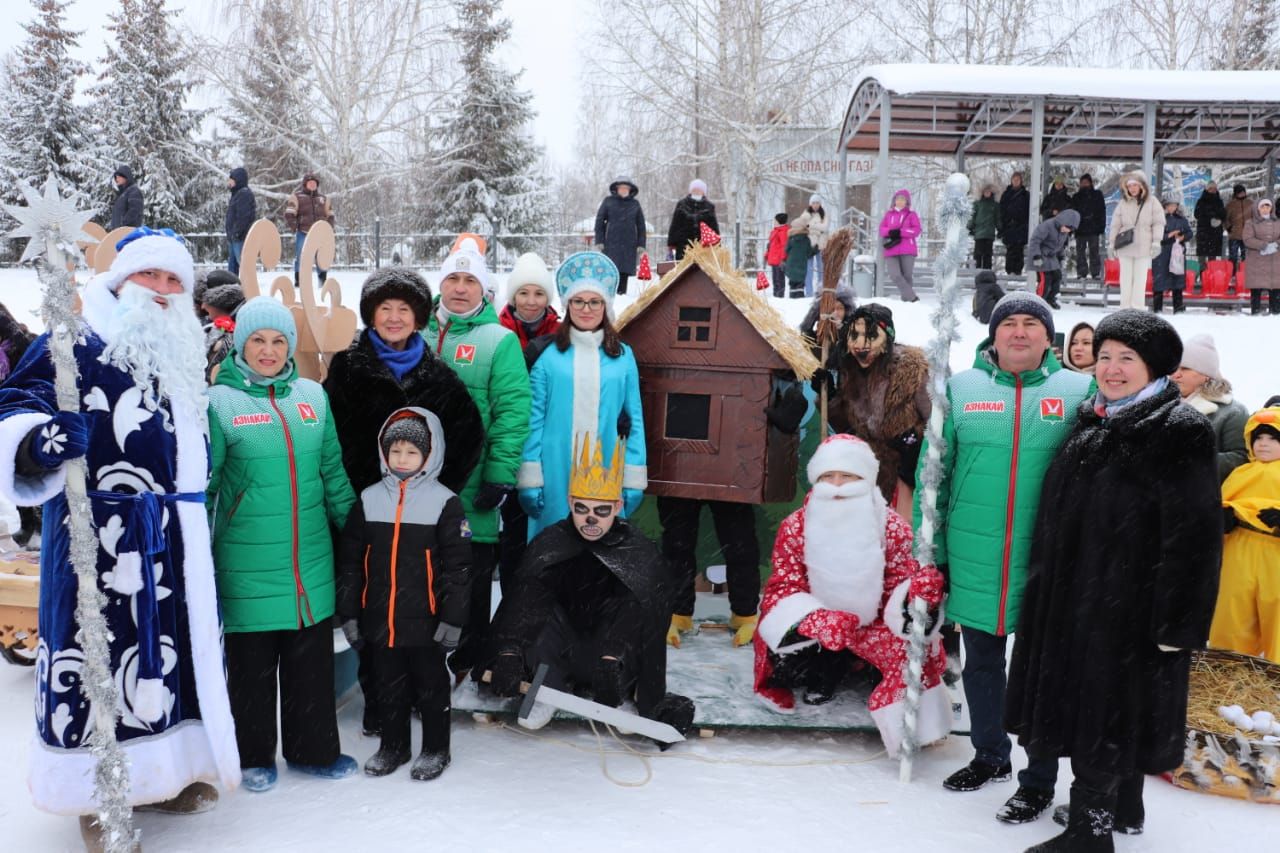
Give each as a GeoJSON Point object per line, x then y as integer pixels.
{"type": "Point", "coordinates": [954, 216]}
{"type": "Point", "coordinates": [148, 648]}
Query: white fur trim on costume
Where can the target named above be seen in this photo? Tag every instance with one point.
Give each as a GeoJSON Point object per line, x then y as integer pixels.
{"type": "Point", "coordinates": [126, 579]}
{"type": "Point", "coordinates": [25, 491]}
{"type": "Point", "coordinates": [149, 700]}
{"type": "Point", "coordinates": [933, 719]}
{"type": "Point", "coordinates": [155, 252]}
{"type": "Point", "coordinates": [161, 765]}
{"type": "Point", "coordinates": [529, 476]}
{"type": "Point", "coordinates": [894, 619]}
{"type": "Point", "coordinates": [843, 452]}
{"type": "Point", "coordinates": [784, 616]}
{"type": "Point", "coordinates": [586, 382]}
{"type": "Point", "coordinates": [98, 305]}
{"type": "Point", "coordinates": [635, 477]}
{"type": "Point", "coordinates": [202, 597]}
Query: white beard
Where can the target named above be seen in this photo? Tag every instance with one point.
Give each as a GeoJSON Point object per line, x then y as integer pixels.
{"type": "Point", "coordinates": [160, 348]}
{"type": "Point", "coordinates": [844, 547]}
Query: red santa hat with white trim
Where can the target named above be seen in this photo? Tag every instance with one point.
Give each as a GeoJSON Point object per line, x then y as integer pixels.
{"type": "Point", "coordinates": [842, 452]}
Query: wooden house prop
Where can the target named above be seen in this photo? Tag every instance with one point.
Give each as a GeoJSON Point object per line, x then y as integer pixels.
{"type": "Point", "coordinates": [709, 350]}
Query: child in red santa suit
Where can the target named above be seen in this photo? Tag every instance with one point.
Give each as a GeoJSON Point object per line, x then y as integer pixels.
{"type": "Point", "coordinates": [842, 577]}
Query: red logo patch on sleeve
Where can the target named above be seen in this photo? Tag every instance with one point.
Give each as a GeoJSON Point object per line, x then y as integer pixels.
{"type": "Point", "coordinates": [307, 414]}
{"type": "Point", "coordinates": [1052, 409]}
{"type": "Point", "coordinates": [464, 354]}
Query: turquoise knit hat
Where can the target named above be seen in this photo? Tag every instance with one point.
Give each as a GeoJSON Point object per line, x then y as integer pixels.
{"type": "Point", "coordinates": [263, 312]}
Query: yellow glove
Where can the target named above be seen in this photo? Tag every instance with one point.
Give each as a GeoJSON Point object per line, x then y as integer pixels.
{"type": "Point", "coordinates": [743, 627]}
{"type": "Point", "coordinates": [679, 624]}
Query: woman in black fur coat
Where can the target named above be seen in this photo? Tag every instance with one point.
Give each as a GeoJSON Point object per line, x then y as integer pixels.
{"type": "Point", "coordinates": [1121, 585]}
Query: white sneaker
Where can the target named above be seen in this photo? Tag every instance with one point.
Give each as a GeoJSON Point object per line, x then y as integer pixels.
{"type": "Point", "coordinates": [539, 715]}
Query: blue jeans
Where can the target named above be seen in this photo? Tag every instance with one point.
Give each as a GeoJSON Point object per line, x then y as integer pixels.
{"type": "Point", "coordinates": [984, 685]}
{"type": "Point", "coordinates": [299, 238]}
{"type": "Point", "coordinates": [813, 275]}
{"type": "Point", "coordinates": [233, 255]}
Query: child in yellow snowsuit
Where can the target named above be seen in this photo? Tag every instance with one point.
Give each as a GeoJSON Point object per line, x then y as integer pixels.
{"type": "Point", "coordinates": [1247, 618]}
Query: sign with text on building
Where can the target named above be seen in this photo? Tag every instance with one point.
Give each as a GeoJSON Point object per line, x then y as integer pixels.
{"type": "Point", "coordinates": [861, 168]}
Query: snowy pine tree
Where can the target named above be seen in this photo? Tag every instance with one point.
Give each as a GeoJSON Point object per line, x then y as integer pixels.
{"type": "Point", "coordinates": [141, 118]}
{"type": "Point", "coordinates": [42, 129]}
{"type": "Point", "coordinates": [489, 181]}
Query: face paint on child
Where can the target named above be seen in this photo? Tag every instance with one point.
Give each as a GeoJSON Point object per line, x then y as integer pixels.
{"type": "Point", "coordinates": [593, 518]}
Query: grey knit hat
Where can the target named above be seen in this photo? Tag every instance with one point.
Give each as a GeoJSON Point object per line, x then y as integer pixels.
{"type": "Point", "coordinates": [410, 428]}
{"type": "Point", "coordinates": [1021, 302]}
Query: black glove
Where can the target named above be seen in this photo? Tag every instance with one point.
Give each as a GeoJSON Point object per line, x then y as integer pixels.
{"type": "Point", "coordinates": [944, 569]}
{"type": "Point", "coordinates": [1270, 516]}
{"type": "Point", "coordinates": [931, 615]}
{"type": "Point", "coordinates": [677, 712]}
{"type": "Point", "coordinates": [624, 424]}
{"type": "Point", "coordinates": [895, 233]}
{"type": "Point", "coordinates": [606, 682]}
{"type": "Point", "coordinates": [908, 446]}
{"type": "Point", "coordinates": [823, 377]}
{"type": "Point", "coordinates": [447, 635]}
{"type": "Point", "coordinates": [788, 411]}
{"type": "Point", "coordinates": [1037, 262]}
{"type": "Point", "coordinates": [490, 495]}
{"type": "Point", "coordinates": [508, 672]}
{"type": "Point", "coordinates": [1229, 521]}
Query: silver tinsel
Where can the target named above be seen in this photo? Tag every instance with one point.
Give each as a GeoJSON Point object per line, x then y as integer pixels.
{"type": "Point", "coordinates": [52, 224]}
{"type": "Point", "coordinates": [954, 217]}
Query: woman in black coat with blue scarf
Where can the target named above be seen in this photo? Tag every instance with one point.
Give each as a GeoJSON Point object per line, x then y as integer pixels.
{"type": "Point", "coordinates": [1121, 585]}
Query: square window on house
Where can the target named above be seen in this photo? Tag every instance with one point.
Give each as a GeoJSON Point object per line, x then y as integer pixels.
{"type": "Point", "coordinates": [689, 416]}
{"type": "Point", "coordinates": [695, 326]}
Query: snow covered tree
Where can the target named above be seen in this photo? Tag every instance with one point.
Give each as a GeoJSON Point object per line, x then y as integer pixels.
{"type": "Point", "coordinates": [142, 120]}
{"type": "Point", "coordinates": [488, 181]}
{"type": "Point", "coordinates": [42, 129]}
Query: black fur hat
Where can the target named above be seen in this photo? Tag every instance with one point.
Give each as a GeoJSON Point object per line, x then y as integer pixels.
{"type": "Point", "coordinates": [396, 283]}
{"type": "Point", "coordinates": [1147, 334]}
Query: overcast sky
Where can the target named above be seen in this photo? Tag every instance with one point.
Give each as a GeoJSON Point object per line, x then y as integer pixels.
{"type": "Point", "coordinates": [544, 41]}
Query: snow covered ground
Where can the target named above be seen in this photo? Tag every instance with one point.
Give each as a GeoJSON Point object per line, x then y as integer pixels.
{"type": "Point", "coordinates": [510, 790]}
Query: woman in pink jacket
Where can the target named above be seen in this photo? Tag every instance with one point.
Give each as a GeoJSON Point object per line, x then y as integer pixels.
{"type": "Point", "coordinates": [898, 232]}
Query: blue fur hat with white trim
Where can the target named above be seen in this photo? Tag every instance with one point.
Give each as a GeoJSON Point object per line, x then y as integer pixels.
{"type": "Point", "coordinates": [587, 271]}
{"type": "Point", "coordinates": [264, 312]}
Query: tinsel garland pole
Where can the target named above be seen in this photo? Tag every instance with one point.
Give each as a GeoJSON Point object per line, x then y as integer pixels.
{"type": "Point", "coordinates": [834, 254]}
{"type": "Point", "coordinates": [54, 226]}
{"type": "Point", "coordinates": [953, 216]}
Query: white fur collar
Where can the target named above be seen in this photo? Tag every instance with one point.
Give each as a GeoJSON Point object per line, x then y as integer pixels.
{"type": "Point", "coordinates": [1202, 404]}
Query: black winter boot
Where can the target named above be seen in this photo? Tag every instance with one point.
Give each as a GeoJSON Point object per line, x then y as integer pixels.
{"type": "Point", "coordinates": [1255, 302]}
{"type": "Point", "coordinates": [1026, 805]}
{"type": "Point", "coordinates": [429, 765]}
{"type": "Point", "coordinates": [1089, 826]}
{"type": "Point", "coordinates": [976, 775]}
{"type": "Point", "coordinates": [386, 761]}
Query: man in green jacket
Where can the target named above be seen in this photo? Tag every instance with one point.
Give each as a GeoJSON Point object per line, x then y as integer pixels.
{"type": "Point", "coordinates": [1008, 415]}
{"type": "Point", "coordinates": [464, 331]}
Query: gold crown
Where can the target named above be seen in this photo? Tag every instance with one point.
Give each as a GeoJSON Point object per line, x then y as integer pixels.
{"type": "Point", "coordinates": [590, 479]}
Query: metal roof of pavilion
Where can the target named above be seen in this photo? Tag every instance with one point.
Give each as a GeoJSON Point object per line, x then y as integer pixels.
{"type": "Point", "coordinates": [1089, 113]}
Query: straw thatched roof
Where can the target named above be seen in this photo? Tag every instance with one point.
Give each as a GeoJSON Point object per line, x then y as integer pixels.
{"type": "Point", "coordinates": [714, 261]}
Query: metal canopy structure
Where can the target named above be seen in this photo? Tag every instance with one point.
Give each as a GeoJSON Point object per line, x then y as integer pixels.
{"type": "Point", "coordinates": [1041, 113]}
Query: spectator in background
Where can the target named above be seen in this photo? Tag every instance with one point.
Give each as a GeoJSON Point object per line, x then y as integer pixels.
{"type": "Point", "coordinates": [1239, 211]}
{"type": "Point", "coordinates": [796, 262]}
{"type": "Point", "coordinates": [1168, 270]}
{"type": "Point", "coordinates": [126, 211]}
{"type": "Point", "coordinates": [982, 227]}
{"type": "Point", "coordinates": [1079, 353]}
{"type": "Point", "coordinates": [899, 229]}
{"type": "Point", "coordinates": [844, 305]}
{"type": "Point", "coordinates": [816, 223]}
{"type": "Point", "coordinates": [1015, 208]}
{"type": "Point", "coordinates": [776, 254]}
{"type": "Point", "coordinates": [1048, 247]}
{"type": "Point", "coordinates": [1209, 213]}
{"type": "Point", "coordinates": [1056, 200]}
{"type": "Point", "coordinates": [986, 293]}
{"type": "Point", "coordinates": [1262, 236]}
{"type": "Point", "coordinates": [620, 230]}
{"type": "Point", "coordinates": [691, 211]}
{"type": "Point", "coordinates": [1092, 207]}
{"type": "Point", "coordinates": [1141, 220]}
{"type": "Point", "coordinates": [306, 207]}
{"type": "Point", "coordinates": [220, 305]}
{"type": "Point", "coordinates": [242, 210]}
{"type": "Point", "coordinates": [1203, 388]}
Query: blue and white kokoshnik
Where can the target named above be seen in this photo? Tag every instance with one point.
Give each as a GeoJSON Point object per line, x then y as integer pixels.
{"type": "Point", "coordinates": [587, 271]}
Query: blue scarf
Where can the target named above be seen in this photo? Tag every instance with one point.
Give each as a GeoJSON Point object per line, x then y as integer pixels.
{"type": "Point", "coordinates": [398, 361]}
{"type": "Point", "coordinates": [1106, 408]}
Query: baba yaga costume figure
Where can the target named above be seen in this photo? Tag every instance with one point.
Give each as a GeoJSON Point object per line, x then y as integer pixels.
{"type": "Point", "coordinates": [587, 381]}
{"type": "Point", "coordinates": [141, 430]}
{"type": "Point", "coordinates": [404, 583]}
{"type": "Point", "coordinates": [591, 601]}
{"type": "Point", "coordinates": [1247, 618]}
{"type": "Point", "coordinates": [842, 577]}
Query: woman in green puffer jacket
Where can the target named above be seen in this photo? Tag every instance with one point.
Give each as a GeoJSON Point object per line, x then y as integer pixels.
{"type": "Point", "coordinates": [276, 488]}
